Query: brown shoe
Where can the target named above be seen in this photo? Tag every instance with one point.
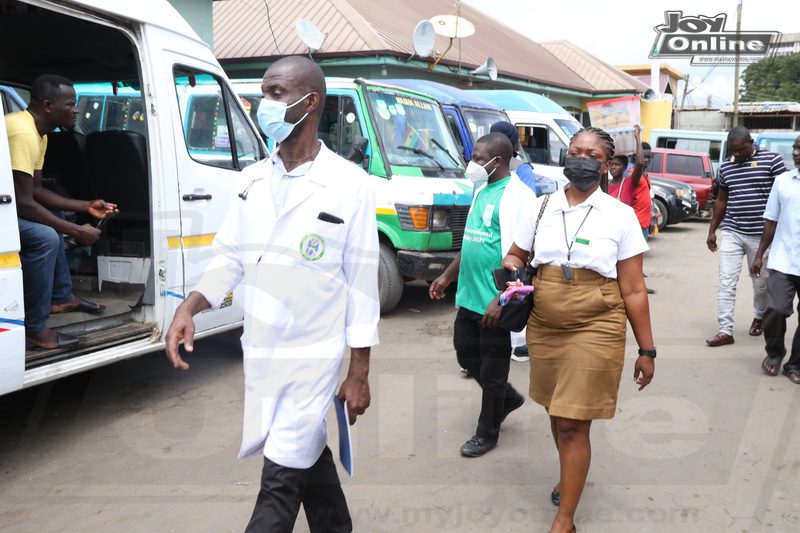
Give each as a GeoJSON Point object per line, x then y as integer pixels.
{"type": "Point", "coordinates": [756, 328]}
{"type": "Point", "coordinates": [720, 339]}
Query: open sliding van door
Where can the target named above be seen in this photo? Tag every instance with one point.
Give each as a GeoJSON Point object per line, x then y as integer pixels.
{"type": "Point", "coordinates": [12, 308]}
{"type": "Point", "coordinates": [213, 143]}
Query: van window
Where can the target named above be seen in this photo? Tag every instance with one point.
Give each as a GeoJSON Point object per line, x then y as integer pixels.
{"type": "Point", "coordinates": [556, 145]}
{"type": "Point", "coordinates": [328, 123]}
{"type": "Point", "coordinates": [570, 127]}
{"type": "Point", "coordinates": [248, 150]}
{"type": "Point", "coordinates": [124, 113]}
{"type": "Point", "coordinates": [211, 122]}
{"type": "Point", "coordinates": [351, 125]}
{"type": "Point", "coordinates": [541, 143]}
{"type": "Point", "coordinates": [655, 164]}
{"type": "Point", "coordinates": [706, 146]}
{"type": "Point", "coordinates": [9, 104]}
{"type": "Point", "coordinates": [90, 113]}
{"type": "Point", "coordinates": [449, 114]}
{"type": "Point", "coordinates": [413, 130]}
{"type": "Point", "coordinates": [480, 121]}
{"type": "Point", "coordinates": [688, 165]}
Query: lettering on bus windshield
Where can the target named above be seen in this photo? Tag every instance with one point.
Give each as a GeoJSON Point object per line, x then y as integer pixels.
{"type": "Point", "coordinates": [415, 103]}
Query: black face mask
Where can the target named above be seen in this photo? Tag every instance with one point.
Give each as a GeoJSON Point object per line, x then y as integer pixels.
{"type": "Point", "coordinates": [582, 172]}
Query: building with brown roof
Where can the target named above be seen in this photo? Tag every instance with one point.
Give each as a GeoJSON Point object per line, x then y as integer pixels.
{"type": "Point", "coordinates": [370, 39]}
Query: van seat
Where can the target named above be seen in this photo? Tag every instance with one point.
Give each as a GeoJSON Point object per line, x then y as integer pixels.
{"type": "Point", "coordinates": [119, 172]}
{"type": "Point", "coordinates": [65, 163]}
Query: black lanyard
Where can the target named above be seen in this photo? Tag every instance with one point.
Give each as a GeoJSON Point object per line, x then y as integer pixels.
{"type": "Point", "coordinates": [569, 242]}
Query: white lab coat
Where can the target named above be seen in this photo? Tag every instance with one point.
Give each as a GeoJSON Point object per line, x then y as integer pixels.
{"type": "Point", "coordinates": [310, 290]}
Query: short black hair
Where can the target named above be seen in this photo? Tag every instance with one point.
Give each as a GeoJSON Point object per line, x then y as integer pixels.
{"type": "Point", "coordinates": [738, 134]}
{"type": "Point", "coordinates": [47, 86]}
{"type": "Point", "coordinates": [646, 146]}
{"type": "Point", "coordinates": [497, 145]}
{"type": "Point", "coordinates": [622, 158]}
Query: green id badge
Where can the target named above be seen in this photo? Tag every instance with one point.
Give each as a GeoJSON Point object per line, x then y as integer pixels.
{"type": "Point", "coordinates": [580, 240]}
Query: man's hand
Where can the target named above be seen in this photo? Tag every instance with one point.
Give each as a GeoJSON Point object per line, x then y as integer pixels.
{"type": "Point", "coordinates": [438, 286]}
{"type": "Point", "coordinates": [355, 391]}
{"type": "Point", "coordinates": [711, 241]}
{"type": "Point", "coordinates": [643, 372]}
{"type": "Point", "coordinates": [101, 209]}
{"type": "Point", "coordinates": [182, 328]}
{"type": "Point", "coordinates": [491, 318]}
{"type": "Point", "coordinates": [755, 268]}
{"type": "Point", "coordinates": [86, 234]}
{"type": "Point", "coordinates": [637, 130]}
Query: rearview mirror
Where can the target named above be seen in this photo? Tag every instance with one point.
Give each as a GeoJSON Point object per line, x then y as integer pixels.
{"type": "Point", "coordinates": [562, 157]}
{"type": "Point", "coordinates": [359, 150]}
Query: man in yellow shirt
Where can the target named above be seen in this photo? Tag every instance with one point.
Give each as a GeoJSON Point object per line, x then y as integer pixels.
{"type": "Point", "coordinates": [46, 278]}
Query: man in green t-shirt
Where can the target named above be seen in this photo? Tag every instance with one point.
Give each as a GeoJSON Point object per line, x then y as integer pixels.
{"type": "Point", "coordinates": [481, 347]}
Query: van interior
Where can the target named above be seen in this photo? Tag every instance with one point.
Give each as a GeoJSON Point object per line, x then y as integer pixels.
{"type": "Point", "coordinates": [106, 157]}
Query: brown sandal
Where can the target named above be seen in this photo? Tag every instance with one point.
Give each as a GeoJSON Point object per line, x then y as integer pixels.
{"type": "Point", "coordinates": [793, 375]}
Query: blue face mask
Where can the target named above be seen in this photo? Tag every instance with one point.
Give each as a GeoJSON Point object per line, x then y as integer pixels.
{"type": "Point", "coordinates": [271, 116]}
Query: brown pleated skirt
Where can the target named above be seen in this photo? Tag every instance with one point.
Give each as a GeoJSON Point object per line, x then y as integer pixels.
{"type": "Point", "coordinates": [576, 338]}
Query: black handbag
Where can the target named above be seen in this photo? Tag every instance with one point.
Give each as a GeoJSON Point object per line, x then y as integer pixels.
{"type": "Point", "coordinates": [514, 315]}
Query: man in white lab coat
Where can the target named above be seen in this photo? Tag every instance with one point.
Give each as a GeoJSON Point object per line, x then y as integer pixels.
{"type": "Point", "coordinates": [303, 240]}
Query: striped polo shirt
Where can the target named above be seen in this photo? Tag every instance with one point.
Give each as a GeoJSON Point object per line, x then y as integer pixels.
{"type": "Point", "coordinates": [748, 184]}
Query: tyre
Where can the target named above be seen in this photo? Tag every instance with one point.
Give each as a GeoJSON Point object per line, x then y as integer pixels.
{"type": "Point", "coordinates": [662, 208]}
{"type": "Point", "coordinates": [390, 281]}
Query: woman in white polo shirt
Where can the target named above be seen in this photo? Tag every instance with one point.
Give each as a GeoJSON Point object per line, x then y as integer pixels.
{"type": "Point", "coordinates": [588, 251]}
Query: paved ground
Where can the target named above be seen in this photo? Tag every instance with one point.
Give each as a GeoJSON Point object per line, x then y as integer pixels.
{"type": "Point", "coordinates": [711, 445]}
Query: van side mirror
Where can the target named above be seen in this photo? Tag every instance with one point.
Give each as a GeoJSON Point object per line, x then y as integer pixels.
{"type": "Point", "coordinates": [562, 157]}
{"type": "Point", "coordinates": [359, 150]}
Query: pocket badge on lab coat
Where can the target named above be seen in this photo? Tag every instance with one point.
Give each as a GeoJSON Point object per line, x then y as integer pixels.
{"type": "Point", "coordinates": [312, 247]}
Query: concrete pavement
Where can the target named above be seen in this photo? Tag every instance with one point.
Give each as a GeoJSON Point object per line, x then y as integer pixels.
{"type": "Point", "coordinates": [712, 445]}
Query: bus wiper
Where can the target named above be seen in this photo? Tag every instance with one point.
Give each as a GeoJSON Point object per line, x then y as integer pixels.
{"type": "Point", "coordinates": [445, 150]}
{"type": "Point", "coordinates": [423, 153]}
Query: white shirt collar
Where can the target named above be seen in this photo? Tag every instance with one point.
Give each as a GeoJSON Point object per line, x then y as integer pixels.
{"type": "Point", "coordinates": [598, 200]}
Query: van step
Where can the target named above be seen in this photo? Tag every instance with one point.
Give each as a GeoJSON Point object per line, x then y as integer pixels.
{"type": "Point", "coordinates": [90, 342]}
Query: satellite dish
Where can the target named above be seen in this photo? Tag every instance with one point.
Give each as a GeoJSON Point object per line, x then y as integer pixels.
{"type": "Point", "coordinates": [424, 38]}
{"type": "Point", "coordinates": [309, 34]}
{"type": "Point", "coordinates": [489, 68]}
{"type": "Point", "coordinates": [452, 26]}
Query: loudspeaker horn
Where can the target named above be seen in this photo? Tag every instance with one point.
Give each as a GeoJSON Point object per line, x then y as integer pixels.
{"type": "Point", "coordinates": [489, 68]}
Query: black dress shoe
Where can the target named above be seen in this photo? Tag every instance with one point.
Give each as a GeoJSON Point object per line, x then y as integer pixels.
{"type": "Point", "coordinates": [477, 446]}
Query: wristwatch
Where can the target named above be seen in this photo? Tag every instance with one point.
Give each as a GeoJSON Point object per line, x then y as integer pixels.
{"type": "Point", "coordinates": [648, 353]}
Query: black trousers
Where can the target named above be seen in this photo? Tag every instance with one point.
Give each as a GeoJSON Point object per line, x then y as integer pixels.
{"type": "Point", "coordinates": [781, 290]}
{"type": "Point", "coordinates": [486, 354]}
{"type": "Point", "coordinates": [283, 489]}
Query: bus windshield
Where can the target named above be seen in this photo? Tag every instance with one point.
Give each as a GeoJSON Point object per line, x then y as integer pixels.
{"type": "Point", "coordinates": [570, 127]}
{"type": "Point", "coordinates": [413, 131]}
{"type": "Point", "coordinates": [782, 146]}
{"type": "Point", "coordinates": [480, 121]}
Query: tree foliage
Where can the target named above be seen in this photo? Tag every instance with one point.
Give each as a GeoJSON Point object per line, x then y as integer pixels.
{"type": "Point", "coordinates": [775, 79]}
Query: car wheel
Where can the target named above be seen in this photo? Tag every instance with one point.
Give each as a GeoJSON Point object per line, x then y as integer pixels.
{"type": "Point", "coordinates": [390, 281]}
{"type": "Point", "coordinates": [662, 208]}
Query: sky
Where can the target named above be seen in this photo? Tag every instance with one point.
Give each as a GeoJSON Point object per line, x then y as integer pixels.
{"type": "Point", "coordinates": [621, 31]}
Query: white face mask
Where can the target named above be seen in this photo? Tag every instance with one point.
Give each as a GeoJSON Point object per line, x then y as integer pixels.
{"type": "Point", "coordinates": [477, 173]}
{"type": "Point", "coordinates": [271, 115]}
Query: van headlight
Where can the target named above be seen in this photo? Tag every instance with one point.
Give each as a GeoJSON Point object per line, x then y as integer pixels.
{"type": "Point", "coordinates": [439, 218]}
{"type": "Point", "coordinates": [684, 194]}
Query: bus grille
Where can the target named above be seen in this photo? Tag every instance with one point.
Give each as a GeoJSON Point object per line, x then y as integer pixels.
{"type": "Point", "coordinates": [458, 220]}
